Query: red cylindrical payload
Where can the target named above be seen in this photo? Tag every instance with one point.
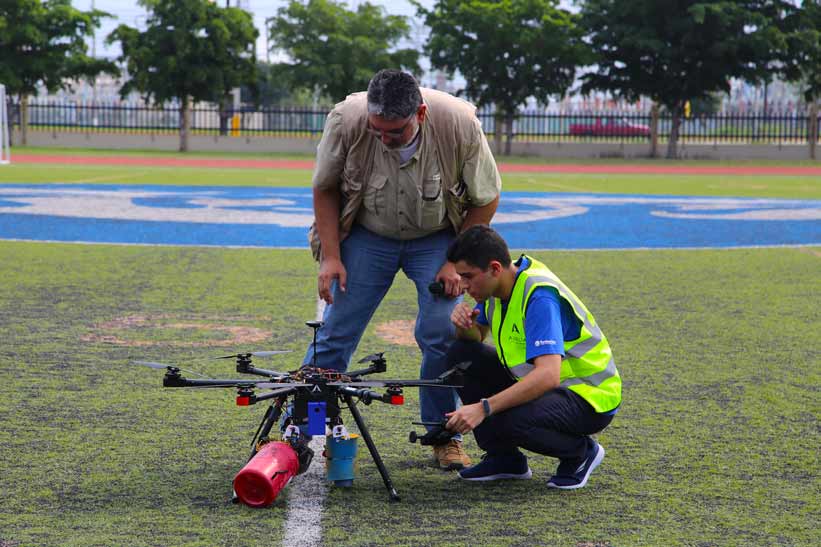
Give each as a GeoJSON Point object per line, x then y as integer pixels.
{"type": "Point", "coordinates": [260, 481]}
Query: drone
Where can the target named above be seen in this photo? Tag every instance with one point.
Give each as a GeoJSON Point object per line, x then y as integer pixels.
{"type": "Point", "coordinates": [308, 401]}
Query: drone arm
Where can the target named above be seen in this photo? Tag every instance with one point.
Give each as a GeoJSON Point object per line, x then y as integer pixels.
{"type": "Point", "coordinates": [175, 380]}
{"type": "Point", "coordinates": [277, 393]}
{"type": "Point", "coordinates": [392, 397]}
{"type": "Point", "coordinates": [364, 395]}
{"type": "Point", "coordinates": [251, 369]}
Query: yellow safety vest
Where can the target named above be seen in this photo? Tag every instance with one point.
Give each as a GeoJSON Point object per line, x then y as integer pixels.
{"type": "Point", "coordinates": [587, 366]}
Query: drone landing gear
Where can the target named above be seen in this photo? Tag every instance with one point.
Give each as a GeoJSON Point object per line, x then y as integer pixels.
{"type": "Point", "coordinates": [377, 459]}
{"type": "Point", "coordinates": [304, 452]}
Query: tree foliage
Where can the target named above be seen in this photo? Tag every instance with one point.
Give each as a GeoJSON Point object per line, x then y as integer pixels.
{"type": "Point", "coordinates": [273, 87]}
{"type": "Point", "coordinates": [803, 57]}
{"type": "Point", "coordinates": [678, 50]}
{"type": "Point", "coordinates": [190, 50]}
{"type": "Point", "coordinates": [507, 50]}
{"type": "Point", "coordinates": [44, 43]}
{"type": "Point", "coordinates": [336, 51]}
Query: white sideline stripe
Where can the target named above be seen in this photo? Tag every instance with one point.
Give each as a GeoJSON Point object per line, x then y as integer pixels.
{"type": "Point", "coordinates": [306, 493]}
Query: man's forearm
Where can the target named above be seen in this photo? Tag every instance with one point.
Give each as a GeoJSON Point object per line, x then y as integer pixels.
{"type": "Point", "coordinates": [326, 213]}
{"type": "Point", "coordinates": [480, 215]}
{"type": "Point", "coordinates": [473, 334]}
{"type": "Point", "coordinates": [534, 385]}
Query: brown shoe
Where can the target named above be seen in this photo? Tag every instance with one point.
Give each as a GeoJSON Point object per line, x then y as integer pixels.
{"type": "Point", "coordinates": [451, 456]}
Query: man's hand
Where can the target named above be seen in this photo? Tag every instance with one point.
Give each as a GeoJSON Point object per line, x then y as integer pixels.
{"type": "Point", "coordinates": [465, 419]}
{"type": "Point", "coordinates": [453, 282]}
{"type": "Point", "coordinates": [330, 269]}
{"type": "Point", "coordinates": [464, 316]}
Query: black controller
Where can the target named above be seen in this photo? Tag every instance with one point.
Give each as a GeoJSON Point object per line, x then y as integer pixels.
{"type": "Point", "coordinates": [437, 435]}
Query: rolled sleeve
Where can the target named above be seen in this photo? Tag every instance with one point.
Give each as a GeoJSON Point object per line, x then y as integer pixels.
{"type": "Point", "coordinates": [330, 154]}
{"type": "Point", "coordinates": [480, 174]}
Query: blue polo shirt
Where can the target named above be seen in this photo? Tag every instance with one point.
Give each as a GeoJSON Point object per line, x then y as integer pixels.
{"type": "Point", "coordinates": [549, 321]}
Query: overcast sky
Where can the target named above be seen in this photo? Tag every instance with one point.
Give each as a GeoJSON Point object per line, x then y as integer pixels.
{"type": "Point", "coordinates": [132, 14]}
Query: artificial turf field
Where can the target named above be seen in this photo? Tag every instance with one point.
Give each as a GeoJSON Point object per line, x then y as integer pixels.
{"type": "Point", "coordinates": [716, 443]}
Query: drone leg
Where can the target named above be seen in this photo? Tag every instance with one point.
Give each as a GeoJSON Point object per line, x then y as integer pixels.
{"type": "Point", "coordinates": [268, 420]}
{"type": "Point", "coordinates": [360, 423]}
{"type": "Point", "coordinates": [271, 416]}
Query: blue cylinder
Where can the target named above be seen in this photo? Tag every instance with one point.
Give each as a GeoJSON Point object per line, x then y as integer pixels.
{"type": "Point", "coordinates": [340, 454]}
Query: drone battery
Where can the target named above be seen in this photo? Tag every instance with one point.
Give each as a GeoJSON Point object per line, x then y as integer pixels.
{"type": "Point", "coordinates": [316, 418]}
{"type": "Point", "coordinates": [266, 474]}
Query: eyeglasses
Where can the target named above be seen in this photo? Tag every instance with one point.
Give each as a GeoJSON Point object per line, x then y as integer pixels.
{"type": "Point", "coordinates": [390, 133]}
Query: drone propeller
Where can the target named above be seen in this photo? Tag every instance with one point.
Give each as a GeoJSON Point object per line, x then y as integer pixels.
{"type": "Point", "coordinates": [162, 366]}
{"type": "Point", "coordinates": [256, 354]}
{"type": "Point", "coordinates": [372, 357]}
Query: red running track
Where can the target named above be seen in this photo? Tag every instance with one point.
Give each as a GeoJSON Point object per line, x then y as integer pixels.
{"type": "Point", "coordinates": [504, 167]}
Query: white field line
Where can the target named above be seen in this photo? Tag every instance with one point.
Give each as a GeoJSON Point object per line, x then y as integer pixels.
{"type": "Point", "coordinates": [307, 492]}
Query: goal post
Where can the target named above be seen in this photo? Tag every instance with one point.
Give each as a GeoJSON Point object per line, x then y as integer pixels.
{"type": "Point", "coordinates": [5, 149]}
{"type": "Point", "coordinates": [5, 134]}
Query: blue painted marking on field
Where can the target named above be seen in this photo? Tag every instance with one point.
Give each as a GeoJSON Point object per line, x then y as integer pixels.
{"type": "Point", "coordinates": [279, 217]}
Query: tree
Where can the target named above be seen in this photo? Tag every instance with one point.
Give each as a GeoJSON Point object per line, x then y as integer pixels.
{"type": "Point", "coordinates": [335, 51]}
{"type": "Point", "coordinates": [802, 62]}
{"type": "Point", "coordinates": [507, 50]}
{"type": "Point", "coordinates": [44, 43]}
{"type": "Point", "coordinates": [191, 50]}
{"type": "Point", "coordinates": [678, 50]}
{"type": "Point", "coordinates": [273, 87]}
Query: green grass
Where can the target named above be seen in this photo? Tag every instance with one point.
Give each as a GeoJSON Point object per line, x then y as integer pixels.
{"type": "Point", "coordinates": [716, 443]}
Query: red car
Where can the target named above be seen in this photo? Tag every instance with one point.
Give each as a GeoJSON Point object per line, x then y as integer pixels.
{"type": "Point", "coordinates": [610, 127]}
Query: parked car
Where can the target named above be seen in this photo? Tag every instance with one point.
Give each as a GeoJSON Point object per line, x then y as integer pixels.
{"type": "Point", "coordinates": [610, 127]}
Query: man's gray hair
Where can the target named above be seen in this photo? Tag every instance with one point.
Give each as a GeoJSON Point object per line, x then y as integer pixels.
{"type": "Point", "coordinates": [393, 95]}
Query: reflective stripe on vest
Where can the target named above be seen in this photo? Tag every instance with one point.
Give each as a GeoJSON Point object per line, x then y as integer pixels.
{"type": "Point", "coordinates": [587, 368]}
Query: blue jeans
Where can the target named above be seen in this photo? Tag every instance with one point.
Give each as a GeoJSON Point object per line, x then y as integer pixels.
{"type": "Point", "coordinates": [371, 262]}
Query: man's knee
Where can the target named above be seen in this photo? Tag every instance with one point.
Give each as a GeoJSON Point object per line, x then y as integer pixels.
{"type": "Point", "coordinates": [463, 350]}
{"type": "Point", "coordinates": [434, 330]}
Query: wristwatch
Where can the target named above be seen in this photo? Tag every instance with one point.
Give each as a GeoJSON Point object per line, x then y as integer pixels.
{"type": "Point", "coordinates": [486, 406]}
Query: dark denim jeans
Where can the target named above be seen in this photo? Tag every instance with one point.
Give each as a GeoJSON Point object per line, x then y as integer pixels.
{"type": "Point", "coordinates": [556, 424]}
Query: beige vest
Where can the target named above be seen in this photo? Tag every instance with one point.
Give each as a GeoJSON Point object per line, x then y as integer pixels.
{"type": "Point", "coordinates": [450, 122]}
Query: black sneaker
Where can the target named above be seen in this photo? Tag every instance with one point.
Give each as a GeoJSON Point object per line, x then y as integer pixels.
{"type": "Point", "coordinates": [492, 468]}
{"type": "Point", "coordinates": [574, 474]}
